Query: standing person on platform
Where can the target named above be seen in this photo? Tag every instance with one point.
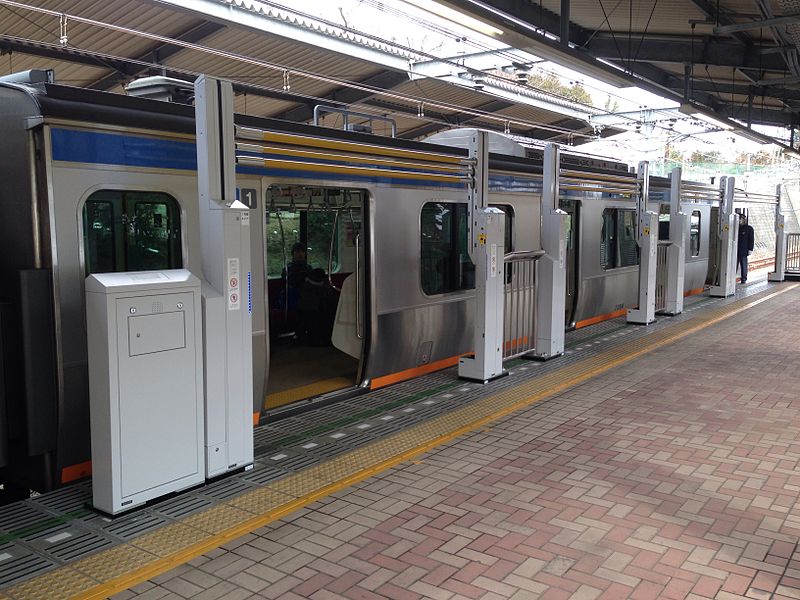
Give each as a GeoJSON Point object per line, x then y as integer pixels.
{"type": "Point", "coordinates": [745, 246]}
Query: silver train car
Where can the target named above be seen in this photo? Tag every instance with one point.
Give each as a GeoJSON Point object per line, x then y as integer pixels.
{"type": "Point", "coordinates": [97, 182]}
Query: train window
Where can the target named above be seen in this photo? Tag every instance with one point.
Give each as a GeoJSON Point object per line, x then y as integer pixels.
{"type": "Point", "coordinates": [694, 234]}
{"type": "Point", "coordinates": [663, 222]}
{"type": "Point", "coordinates": [131, 231]}
{"type": "Point", "coordinates": [618, 247]}
{"type": "Point", "coordinates": [445, 262]}
{"type": "Point", "coordinates": [508, 244]}
{"type": "Point", "coordinates": [313, 229]}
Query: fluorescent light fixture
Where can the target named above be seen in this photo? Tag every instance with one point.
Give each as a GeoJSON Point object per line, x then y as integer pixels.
{"type": "Point", "coordinates": [693, 111]}
{"type": "Point", "coordinates": [753, 136]}
{"type": "Point", "coordinates": [457, 17]}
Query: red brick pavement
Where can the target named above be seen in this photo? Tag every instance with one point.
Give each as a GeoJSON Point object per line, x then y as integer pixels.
{"type": "Point", "coordinates": [673, 477]}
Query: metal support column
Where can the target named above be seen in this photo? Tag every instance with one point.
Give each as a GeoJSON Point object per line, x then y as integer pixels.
{"type": "Point", "coordinates": [779, 274]}
{"type": "Point", "coordinates": [676, 253]}
{"type": "Point", "coordinates": [728, 232]}
{"type": "Point", "coordinates": [551, 276]}
{"type": "Point", "coordinates": [647, 240]}
{"type": "Point", "coordinates": [225, 255]}
{"type": "Point", "coordinates": [564, 23]}
{"type": "Point", "coordinates": [487, 234]}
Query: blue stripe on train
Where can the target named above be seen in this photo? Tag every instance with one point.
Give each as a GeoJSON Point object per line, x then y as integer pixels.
{"type": "Point", "coordinates": [95, 147]}
{"type": "Point", "coordinates": [127, 150]}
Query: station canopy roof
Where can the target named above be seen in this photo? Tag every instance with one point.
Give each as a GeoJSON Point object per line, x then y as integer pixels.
{"type": "Point", "coordinates": [283, 63]}
{"type": "Point", "coordinates": [730, 59]}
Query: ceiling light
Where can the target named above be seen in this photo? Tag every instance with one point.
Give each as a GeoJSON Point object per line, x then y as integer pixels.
{"type": "Point", "coordinates": [753, 136]}
{"type": "Point", "coordinates": [693, 111]}
{"type": "Point", "coordinates": [457, 17]}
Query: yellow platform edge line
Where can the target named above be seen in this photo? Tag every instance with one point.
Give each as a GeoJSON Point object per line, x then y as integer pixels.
{"type": "Point", "coordinates": [162, 565]}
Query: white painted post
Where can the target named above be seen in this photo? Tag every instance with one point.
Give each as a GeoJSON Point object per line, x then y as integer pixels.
{"type": "Point", "coordinates": [779, 274]}
{"type": "Point", "coordinates": [729, 235]}
{"type": "Point", "coordinates": [647, 239]}
{"type": "Point", "coordinates": [225, 254]}
{"type": "Point", "coordinates": [676, 252]}
{"type": "Point", "coordinates": [551, 268]}
{"type": "Point", "coordinates": [486, 249]}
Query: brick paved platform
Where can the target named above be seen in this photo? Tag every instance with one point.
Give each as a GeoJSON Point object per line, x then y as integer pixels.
{"type": "Point", "coordinates": [671, 477]}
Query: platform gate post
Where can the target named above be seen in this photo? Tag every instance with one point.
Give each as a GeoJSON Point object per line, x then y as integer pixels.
{"type": "Point", "coordinates": [728, 232]}
{"type": "Point", "coordinates": [551, 275]}
{"type": "Point", "coordinates": [779, 274]}
{"type": "Point", "coordinates": [676, 252]}
{"type": "Point", "coordinates": [225, 259]}
{"type": "Point", "coordinates": [486, 249]}
{"type": "Point", "coordinates": [647, 240]}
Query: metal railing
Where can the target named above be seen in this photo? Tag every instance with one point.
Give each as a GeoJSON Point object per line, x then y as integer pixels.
{"type": "Point", "coordinates": [698, 192]}
{"type": "Point", "coordinates": [624, 185]}
{"type": "Point", "coordinates": [662, 271]}
{"type": "Point", "coordinates": [793, 253]}
{"type": "Point", "coordinates": [519, 327]}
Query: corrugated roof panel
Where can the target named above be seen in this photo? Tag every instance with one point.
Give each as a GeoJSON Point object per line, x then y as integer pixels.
{"type": "Point", "coordinates": [280, 51]}
{"type": "Point", "coordinates": [131, 14]}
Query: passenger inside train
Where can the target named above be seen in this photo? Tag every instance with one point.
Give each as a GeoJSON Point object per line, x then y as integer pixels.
{"type": "Point", "coordinates": [307, 295]}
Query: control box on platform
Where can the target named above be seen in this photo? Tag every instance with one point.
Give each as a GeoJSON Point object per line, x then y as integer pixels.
{"type": "Point", "coordinates": [146, 385]}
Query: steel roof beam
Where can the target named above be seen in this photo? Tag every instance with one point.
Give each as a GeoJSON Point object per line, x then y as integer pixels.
{"type": "Point", "coordinates": [13, 44]}
{"type": "Point", "coordinates": [773, 22]}
{"type": "Point", "coordinates": [711, 12]}
{"type": "Point", "coordinates": [704, 51]}
{"type": "Point", "coordinates": [159, 53]}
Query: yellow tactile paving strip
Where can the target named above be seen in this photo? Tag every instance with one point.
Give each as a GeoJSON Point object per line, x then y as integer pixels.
{"type": "Point", "coordinates": [119, 568]}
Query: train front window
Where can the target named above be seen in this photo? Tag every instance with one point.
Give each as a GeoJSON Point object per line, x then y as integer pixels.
{"type": "Point", "coordinates": [131, 231]}
{"type": "Point", "coordinates": [445, 263]}
{"type": "Point", "coordinates": [694, 234]}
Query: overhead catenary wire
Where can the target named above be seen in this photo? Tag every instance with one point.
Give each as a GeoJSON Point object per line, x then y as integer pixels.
{"type": "Point", "coordinates": [372, 90]}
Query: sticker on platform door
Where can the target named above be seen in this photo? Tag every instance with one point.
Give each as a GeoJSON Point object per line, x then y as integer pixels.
{"type": "Point", "coordinates": [493, 261]}
{"type": "Point", "coordinates": [233, 285]}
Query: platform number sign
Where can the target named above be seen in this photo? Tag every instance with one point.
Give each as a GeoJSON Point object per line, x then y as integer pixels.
{"type": "Point", "coordinates": [248, 197]}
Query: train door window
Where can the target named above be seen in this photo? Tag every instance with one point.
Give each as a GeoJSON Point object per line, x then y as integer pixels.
{"type": "Point", "coordinates": [283, 231]}
{"type": "Point", "coordinates": [445, 263]}
{"type": "Point", "coordinates": [131, 231]}
{"type": "Point", "coordinates": [608, 240]}
{"type": "Point", "coordinates": [663, 222]}
{"type": "Point", "coordinates": [628, 248]}
{"type": "Point", "coordinates": [618, 246]}
{"type": "Point", "coordinates": [508, 210]}
{"type": "Point", "coordinates": [694, 234]}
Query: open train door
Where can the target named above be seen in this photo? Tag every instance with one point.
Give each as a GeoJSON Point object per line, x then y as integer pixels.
{"type": "Point", "coordinates": [315, 240]}
{"type": "Point", "coordinates": [714, 249]}
{"type": "Point", "coordinates": [572, 208]}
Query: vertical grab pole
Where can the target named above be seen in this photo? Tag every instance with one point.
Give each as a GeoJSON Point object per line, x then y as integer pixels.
{"type": "Point", "coordinates": [486, 239]}
{"type": "Point", "coordinates": [676, 252]}
{"type": "Point", "coordinates": [225, 259]}
{"type": "Point", "coordinates": [779, 274]}
{"type": "Point", "coordinates": [551, 268]}
{"type": "Point", "coordinates": [646, 231]}
{"type": "Point", "coordinates": [729, 235]}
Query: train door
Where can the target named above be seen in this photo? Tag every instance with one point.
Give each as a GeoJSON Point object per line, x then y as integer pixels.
{"type": "Point", "coordinates": [316, 272]}
{"type": "Point", "coordinates": [571, 207]}
{"type": "Point", "coordinates": [714, 248]}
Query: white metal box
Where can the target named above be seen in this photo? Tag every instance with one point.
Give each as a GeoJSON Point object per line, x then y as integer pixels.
{"type": "Point", "coordinates": [146, 385]}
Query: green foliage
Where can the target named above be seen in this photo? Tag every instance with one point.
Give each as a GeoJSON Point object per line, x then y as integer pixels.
{"type": "Point", "coordinates": [547, 82]}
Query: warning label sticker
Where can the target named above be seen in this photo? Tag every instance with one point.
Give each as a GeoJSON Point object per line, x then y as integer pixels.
{"type": "Point", "coordinates": [234, 298]}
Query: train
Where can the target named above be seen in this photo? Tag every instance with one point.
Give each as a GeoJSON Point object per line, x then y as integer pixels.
{"type": "Point", "coordinates": [97, 182]}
